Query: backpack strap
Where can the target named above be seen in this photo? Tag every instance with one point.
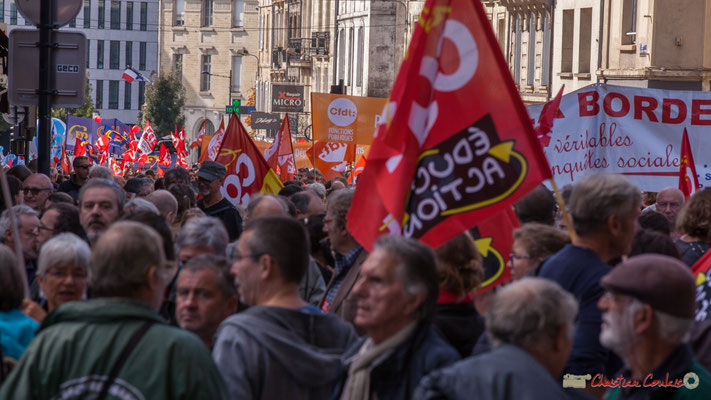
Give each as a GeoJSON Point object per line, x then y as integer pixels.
{"type": "Point", "coordinates": [137, 336]}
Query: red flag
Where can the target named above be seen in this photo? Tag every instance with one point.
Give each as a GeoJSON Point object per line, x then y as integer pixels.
{"type": "Point", "coordinates": [281, 152]}
{"type": "Point", "coordinates": [79, 149]}
{"type": "Point", "coordinates": [66, 164]}
{"type": "Point", "coordinates": [102, 143]}
{"type": "Point", "coordinates": [115, 168]}
{"type": "Point", "coordinates": [688, 180]}
{"type": "Point", "coordinates": [701, 271]}
{"type": "Point", "coordinates": [247, 170]}
{"type": "Point", "coordinates": [142, 160]}
{"type": "Point", "coordinates": [164, 158]}
{"type": "Point", "coordinates": [458, 145]}
{"type": "Point", "coordinates": [494, 240]}
{"type": "Point", "coordinates": [160, 172]}
{"type": "Point", "coordinates": [331, 158]}
{"type": "Point", "coordinates": [198, 140]}
{"type": "Point", "coordinates": [549, 112]}
{"type": "Point", "coordinates": [359, 167]}
{"type": "Point", "coordinates": [148, 139]}
{"type": "Point", "coordinates": [213, 148]}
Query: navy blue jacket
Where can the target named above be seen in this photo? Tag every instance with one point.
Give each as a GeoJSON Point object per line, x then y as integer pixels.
{"type": "Point", "coordinates": [579, 270]}
{"type": "Point", "coordinates": [397, 377]}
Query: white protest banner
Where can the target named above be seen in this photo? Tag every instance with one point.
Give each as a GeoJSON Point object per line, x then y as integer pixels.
{"type": "Point", "coordinates": [631, 131]}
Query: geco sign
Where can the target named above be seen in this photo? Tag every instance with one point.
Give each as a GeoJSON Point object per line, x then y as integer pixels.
{"type": "Point", "coordinates": [287, 98]}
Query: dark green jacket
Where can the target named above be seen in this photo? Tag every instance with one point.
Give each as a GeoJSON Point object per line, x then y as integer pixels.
{"type": "Point", "coordinates": [78, 344]}
{"type": "Point", "coordinates": [680, 363]}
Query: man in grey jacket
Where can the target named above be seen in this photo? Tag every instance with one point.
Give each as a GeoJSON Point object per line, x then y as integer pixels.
{"type": "Point", "coordinates": [281, 347]}
{"type": "Point", "coordinates": [530, 323]}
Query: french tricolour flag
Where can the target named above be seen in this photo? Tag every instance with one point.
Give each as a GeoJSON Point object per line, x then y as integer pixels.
{"type": "Point", "coordinates": [130, 74]}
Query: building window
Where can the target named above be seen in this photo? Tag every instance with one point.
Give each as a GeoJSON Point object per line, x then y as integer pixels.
{"type": "Point", "coordinates": [261, 32]}
{"type": "Point", "coordinates": [206, 13]}
{"type": "Point", "coordinates": [87, 13]}
{"type": "Point", "coordinates": [178, 66]}
{"type": "Point", "coordinates": [501, 33]}
{"type": "Point", "coordinates": [341, 54]}
{"type": "Point", "coordinates": [629, 21]}
{"type": "Point", "coordinates": [114, 54]}
{"type": "Point", "coordinates": [318, 79]}
{"type": "Point", "coordinates": [88, 51]}
{"type": "Point", "coordinates": [205, 74]}
{"type": "Point", "coordinates": [351, 58]}
{"type": "Point", "coordinates": [2, 7]}
{"type": "Point", "coordinates": [144, 16]}
{"type": "Point", "coordinates": [115, 15]}
{"type": "Point", "coordinates": [129, 54]}
{"type": "Point", "coordinates": [99, 94]}
{"type": "Point", "coordinates": [179, 13]}
{"type": "Point", "coordinates": [113, 95]}
{"type": "Point", "coordinates": [545, 73]}
{"type": "Point", "coordinates": [517, 57]}
{"type": "Point", "coordinates": [13, 13]}
{"type": "Point", "coordinates": [237, 12]}
{"type": "Point", "coordinates": [566, 62]}
{"type": "Point", "coordinates": [99, 54]}
{"type": "Point", "coordinates": [531, 68]}
{"type": "Point", "coordinates": [126, 96]}
{"type": "Point", "coordinates": [72, 23]}
{"type": "Point", "coordinates": [236, 73]}
{"type": "Point", "coordinates": [142, 56]}
{"type": "Point", "coordinates": [129, 16]}
{"type": "Point", "coordinates": [141, 93]}
{"type": "Point", "coordinates": [361, 57]}
{"type": "Point", "coordinates": [585, 40]}
{"type": "Point", "coordinates": [102, 15]}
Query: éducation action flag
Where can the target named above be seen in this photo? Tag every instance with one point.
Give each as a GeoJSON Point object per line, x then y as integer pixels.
{"type": "Point", "coordinates": [458, 145]}
{"type": "Point", "coordinates": [247, 170]}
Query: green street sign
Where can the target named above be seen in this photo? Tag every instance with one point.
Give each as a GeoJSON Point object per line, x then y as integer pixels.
{"type": "Point", "coordinates": [234, 107]}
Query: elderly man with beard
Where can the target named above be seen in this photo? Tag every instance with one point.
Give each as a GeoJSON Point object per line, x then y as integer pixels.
{"type": "Point", "coordinates": [100, 204]}
{"type": "Point", "coordinates": [648, 310]}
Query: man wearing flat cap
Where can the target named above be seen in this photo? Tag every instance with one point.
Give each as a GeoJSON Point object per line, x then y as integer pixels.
{"type": "Point", "coordinates": [647, 311]}
{"type": "Point", "coordinates": [210, 177]}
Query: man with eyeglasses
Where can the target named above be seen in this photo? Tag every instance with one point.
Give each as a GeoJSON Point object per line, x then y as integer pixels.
{"type": "Point", "coordinates": [669, 202]}
{"type": "Point", "coordinates": [72, 185]}
{"type": "Point", "coordinates": [210, 178]}
{"type": "Point", "coordinates": [28, 224]}
{"type": "Point", "coordinates": [36, 189]}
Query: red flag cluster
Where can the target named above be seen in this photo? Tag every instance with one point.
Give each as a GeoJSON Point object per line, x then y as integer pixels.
{"type": "Point", "coordinates": [280, 155]}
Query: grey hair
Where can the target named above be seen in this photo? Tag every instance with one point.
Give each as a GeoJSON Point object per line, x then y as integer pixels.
{"type": "Point", "coordinates": [204, 232]}
{"type": "Point", "coordinates": [140, 204]}
{"type": "Point", "coordinates": [255, 200]}
{"type": "Point", "coordinates": [100, 171]}
{"type": "Point", "coordinates": [670, 328]}
{"type": "Point", "coordinates": [598, 196]}
{"type": "Point", "coordinates": [528, 314]}
{"type": "Point", "coordinates": [317, 188]}
{"type": "Point", "coordinates": [19, 210]}
{"type": "Point", "coordinates": [339, 202]}
{"type": "Point", "coordinates": [218, 264]}
{"type": "Point", "coordinates": [416, 270]}
{"type": "Point", "coordinates": [104, 184]}
{"type": "Point", "coordinates": [63, 249]}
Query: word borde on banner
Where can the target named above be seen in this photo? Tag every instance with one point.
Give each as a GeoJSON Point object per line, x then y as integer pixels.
{"type": "Point", "coordinates": [457, 146]}
{"type": "Point", "coordinates": [636, 132]}
{"type": "Point", "coordinates": [349, 119]}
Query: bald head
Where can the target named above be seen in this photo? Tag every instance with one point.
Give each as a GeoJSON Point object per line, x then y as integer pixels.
{"type": "Point", "coordinates": [166, 203]}
{"type": "Point", "coordinates": [669, 202]}
{"type": "Point", "coordinates": [265, 206]}
{"type": "Point", "coordinates": [37, 188]}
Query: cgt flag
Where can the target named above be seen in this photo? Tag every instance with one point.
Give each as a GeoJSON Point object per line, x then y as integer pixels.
{"type": "Point", "coordinates": [702, 273]}
{"type": "Point", "coordinates": [688, 180]}
{"type": "Point", "coordinates": [457, 145]}
{"type": "Point", "coordinates": [164, 157]}
{"type": "Point", "coordinates": [281, 152]}
{"type": "Point", "coordinates": [247, 170]}
{"type": "Point", "coordinates": [148, 140]}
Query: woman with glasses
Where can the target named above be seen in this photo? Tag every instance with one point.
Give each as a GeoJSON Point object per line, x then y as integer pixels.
{"type": "Point", "coordinates": [533, 242]}
{"type": "Point", "coordinates": [694, 224]}
{"type": "Point", "coordinates": [63, 270]}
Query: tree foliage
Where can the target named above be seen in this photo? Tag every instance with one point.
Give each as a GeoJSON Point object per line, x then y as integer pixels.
{"type": "Point", "coordinates": [165, 98]}
{"type": "Point", "coordinates": [85, 111]}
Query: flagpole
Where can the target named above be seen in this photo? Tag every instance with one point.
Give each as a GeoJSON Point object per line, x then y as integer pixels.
{"type": "Point", "coordinates": [564, 210]}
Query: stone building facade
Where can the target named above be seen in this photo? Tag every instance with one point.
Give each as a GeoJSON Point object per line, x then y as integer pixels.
{"type": "Point", "coordinates": [213, 46]}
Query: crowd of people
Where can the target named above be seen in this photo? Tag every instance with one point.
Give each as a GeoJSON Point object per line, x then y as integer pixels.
{"type": "Point", "coordinates": [147, 287]}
